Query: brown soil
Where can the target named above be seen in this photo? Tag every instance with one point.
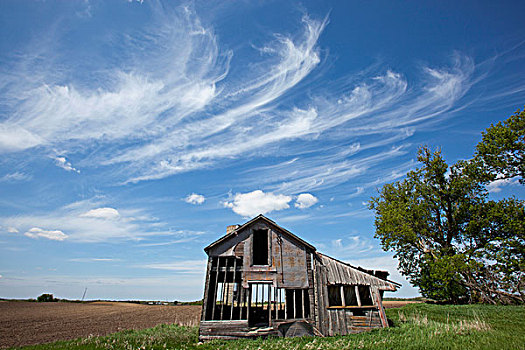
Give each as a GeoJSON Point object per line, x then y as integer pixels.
{"type": "Point", "coordinates": [25, 323]}
{"type": "Point", "coordinates": [397, 303]}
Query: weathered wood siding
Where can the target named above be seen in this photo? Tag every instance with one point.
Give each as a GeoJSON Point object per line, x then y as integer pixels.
{"type": "Point", "coordinates": [345, 320]}
{"type": "Point", "coordinates": [287, 267]}
{"type": "Point", "coordinates": [293, 267]}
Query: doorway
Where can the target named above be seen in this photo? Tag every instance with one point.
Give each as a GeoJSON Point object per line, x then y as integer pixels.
{"type": "Point", "coordinates": [260, 304]}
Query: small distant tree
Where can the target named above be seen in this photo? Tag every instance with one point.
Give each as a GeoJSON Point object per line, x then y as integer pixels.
{"type": "Point", "coordinates": [46, 298]}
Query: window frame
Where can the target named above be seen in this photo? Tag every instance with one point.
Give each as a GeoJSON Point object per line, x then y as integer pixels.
{"type": "Point", "coordinates": [342, 299]}
{"type": "Point", "coordinates": [268, 246]}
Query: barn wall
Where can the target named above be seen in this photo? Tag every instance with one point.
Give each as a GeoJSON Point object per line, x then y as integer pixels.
{"type": "Point", "coordinates": [293, 265]}
{"type": "Point", "coordinates": [288, 259]}
{"type": "Point", "coordinates": [345, 320]}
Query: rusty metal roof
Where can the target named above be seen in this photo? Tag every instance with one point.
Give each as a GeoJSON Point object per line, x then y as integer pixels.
{"type": "Point", "coordinates": [339, 272]}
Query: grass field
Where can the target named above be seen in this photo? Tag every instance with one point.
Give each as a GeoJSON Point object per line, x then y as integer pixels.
{"type": "Point", "coordinates": [416, 326]}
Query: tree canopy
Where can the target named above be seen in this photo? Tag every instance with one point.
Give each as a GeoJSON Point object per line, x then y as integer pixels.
{"type": "Point", "coordinates": [451, 241]}
{"type": "Point", "coordinates": [502, 148]}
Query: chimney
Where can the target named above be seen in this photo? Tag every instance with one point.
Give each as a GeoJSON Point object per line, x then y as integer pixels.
{"type": "Point", "coordinates": [231, 228]}
{"type": "Point", "coordinates": [381, 274]}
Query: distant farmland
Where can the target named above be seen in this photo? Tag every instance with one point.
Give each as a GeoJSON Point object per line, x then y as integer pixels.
{"type": "Point", "coordinates": [414, 326]}
{"type": "Point", "coordinates": [25, 323]}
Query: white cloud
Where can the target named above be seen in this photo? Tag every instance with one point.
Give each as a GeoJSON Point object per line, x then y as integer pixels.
{"type": "Point", "coordinates": [194, 198]}
{"type": "Point", "coordinates": [102, 213]}
{"type": "Point", "coordinates": [93, 259]}
{"type": "Point", "coordinates": [12, 230]}
{"type": "Point", "coordinates": [91, 221]}
{"type": "Point", "coordinates": [496, 185]}
{"type": "Point", "coordinates": [305, 200]}
{"type": "Point", "coordinates": [257, 202]}
{"type": "Point", "coordinates": [36, 232]}
{"type": "Point", "coordinates": [62, 162]}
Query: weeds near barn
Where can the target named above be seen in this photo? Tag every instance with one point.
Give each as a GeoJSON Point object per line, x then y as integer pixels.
{"type": "Point", "coordinates": [415, 326]}
{"type": "Point", "coordinates": [459, 327]}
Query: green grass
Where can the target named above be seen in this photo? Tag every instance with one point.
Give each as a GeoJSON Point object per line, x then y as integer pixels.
{"type": "Point", "coordinates": [416, 326]}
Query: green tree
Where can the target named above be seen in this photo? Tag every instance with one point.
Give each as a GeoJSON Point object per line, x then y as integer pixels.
{"type": "Point", "coordinates": [451, 241]}
{"type": "Point", "coordinates": [502, 148]}
{"type": "Point", "coordinates": [45, 298]}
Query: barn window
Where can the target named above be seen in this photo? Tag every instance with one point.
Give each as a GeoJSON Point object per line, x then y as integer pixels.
{"type": "Point", "coordinates": [365, 296]}
{"type": "Point", "coordinates": [260, 247]}
{"type": "Point", "coordinates": [349, 295]}
{"type": "Point", "coordinates": [268, 302]}
{"type": "Point", "coordinates": [334, 296]}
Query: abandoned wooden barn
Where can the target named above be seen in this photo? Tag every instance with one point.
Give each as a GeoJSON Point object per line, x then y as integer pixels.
{"type": "Point", "coordinates": [263, 280]}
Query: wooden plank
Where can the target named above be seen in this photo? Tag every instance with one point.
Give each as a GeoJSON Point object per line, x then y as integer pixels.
{"type": "Point", "coordinates": [303, 301]}
{"type": "Point", "coordinates": [357, 295]}
{"type": "Point", "coordinates": [234, 274]}
{"type": "Point", "coordinates": [318, 291]}
{"type": "Point", "coordinates": [381, 310]}
{"type": "Point", "coordinates": [286, 307]}
{"type": "Point", "coordinates": [294, 305]}
{"type": "Point", "coordinates": [342, 322]}
{"type": "Point", "coordinates": [215, 290]}
{"type": "Point", "coordinates": [324, 287]}
{"type": "Point", "coordinates": [331, 323]}
{"type": "Point", "coordinates": [249, 299]}
{"type": "Point", "coordinates": [275, 291]}
{"type": "Point", "coordinates": [206, 290]}
{"type": "Point", "coordinates": [223, 289]}
{"type": "Point", "coordinates": [269, 304]}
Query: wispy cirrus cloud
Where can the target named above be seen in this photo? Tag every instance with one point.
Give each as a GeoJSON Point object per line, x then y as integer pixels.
{"type": "Point", "coordinates": [15, 177]}
{"type": "Point", "coordinates": [184, 266]}
{"type": "Point", "coordinates": [94, 259]}
{"type": "Point", "coordinates": [172, 103]}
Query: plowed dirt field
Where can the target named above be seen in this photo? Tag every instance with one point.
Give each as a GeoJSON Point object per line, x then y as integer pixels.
{"type": "Point", "coordinates": [25, 323]}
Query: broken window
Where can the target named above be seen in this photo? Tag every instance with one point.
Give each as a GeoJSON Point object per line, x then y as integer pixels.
{"type": "Point", "coordinates": [260, 247]}
{"type": "Point", "coordinates": [268, 302]}
{"type": "Point", "coordinates": [365, 296]}
{"type": "Point", "coordinates": [226, 299]}
{"type": "Point", "coordinates": [349, 295]}
{"type": "Point", "coordinates": [297, 304]}
{"type": "Point", "coordinates": [334, 296]}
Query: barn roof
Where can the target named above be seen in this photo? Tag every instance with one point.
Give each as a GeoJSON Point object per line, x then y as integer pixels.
{"type": "Point", "coordinates": [339, 272]}
{"type": "Point", "coordinates": [257, 218]}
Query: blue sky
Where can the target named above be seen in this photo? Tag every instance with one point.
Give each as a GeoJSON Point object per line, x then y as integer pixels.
{"type": "Point", "coordinates": [133, 133]}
